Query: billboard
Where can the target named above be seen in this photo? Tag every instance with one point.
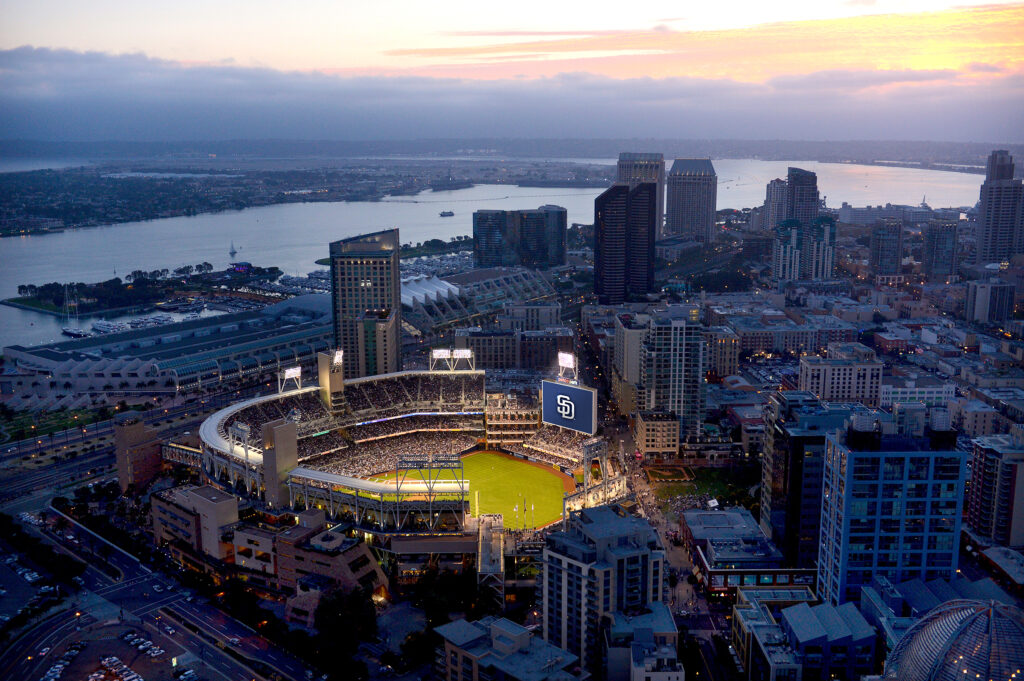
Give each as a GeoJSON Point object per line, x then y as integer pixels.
{"type": "Point", "coordinates": [569, 406]}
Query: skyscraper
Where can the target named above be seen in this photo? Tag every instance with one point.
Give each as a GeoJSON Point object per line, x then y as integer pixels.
{"type": "Point", "coordinates": [692, 196]}
{"type": "Point", "coordinates": [774, 204]}
{"type": "Point", "coordinates": [635, 168]}
{"type": "Point", "coordinates": [624, 228]}
{"type": "Point", "coordinates": [886, 247]}
{"type": "Point", "coordinates": [792, 466]}
{"type": "Point", "coordinates": [542, 237]}
{"type": "Point", "coordinates": [1001, 215]}
{"type": "Point", "coordinates": [891, 505]}
{"type": "Point", "coordinates": [786, 251]}
{"type": "Point", "coordinates": [672, 366]}
{"type": "Point", "coordinates": [366, 297]}
{"type": "Point", "coordinates": [604, 563]}
{"type": "Point", "coordinates": [495, 237]}
{"type": "Point", "coordinates": [804, 251]}
{"type": "Point", "coordinates": [802, 200]}
{"type": "Point", "coordinates": [995, 507]}
{"type": "Point", "coordinates": [531, 238]}
{"type": "Point", "coordinates": [940, 249]}
{"type": "Point", "coordinates": [818, 250]}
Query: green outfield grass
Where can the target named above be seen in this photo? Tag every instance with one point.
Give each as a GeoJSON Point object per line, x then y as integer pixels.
{"type": "Point", "coordinates": [504, 482]}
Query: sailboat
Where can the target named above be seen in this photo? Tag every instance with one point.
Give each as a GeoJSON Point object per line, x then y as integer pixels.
{"type": "Point", "coordinates": [232, 252]}
{"type": "Point", "coordinates": [73, 330]}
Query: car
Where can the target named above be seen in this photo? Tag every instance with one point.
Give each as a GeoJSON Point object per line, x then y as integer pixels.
{"type": "Point", "coordinates": [170, 630]}
{"type": "Point", "coordinates": [234, 641]}
{"type": "Point", "coordinates": [44, 651]}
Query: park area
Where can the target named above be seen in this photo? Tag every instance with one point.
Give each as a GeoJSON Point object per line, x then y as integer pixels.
{"type": "Point", "coordinates": [729, 486]}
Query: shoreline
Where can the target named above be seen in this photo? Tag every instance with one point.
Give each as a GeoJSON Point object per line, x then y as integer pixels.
{"type": "Point", "coordinates": [910, 165]}
{"type": "Point", "coordinates": [136, 309]}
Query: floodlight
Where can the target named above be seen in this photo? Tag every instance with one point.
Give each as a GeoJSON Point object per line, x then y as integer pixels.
{"type": "Point", "coordinates": [292, 372]}
{"type": "Point", "coordinates": [462, 353]}
{"type": "Point", "coordinates": [441, 353]}
{"type": "Point", "coordinates": [567, 360]}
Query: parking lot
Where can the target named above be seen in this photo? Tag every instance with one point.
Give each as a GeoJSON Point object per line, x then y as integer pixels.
{"type": "Point", "coordinates": [117, 653]}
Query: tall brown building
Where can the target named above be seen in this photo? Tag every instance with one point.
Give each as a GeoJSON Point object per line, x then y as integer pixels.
{"type": "Point", "coordinates": [367, 299]}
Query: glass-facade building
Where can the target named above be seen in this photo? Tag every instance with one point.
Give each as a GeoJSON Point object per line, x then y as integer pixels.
{"type": "Point", "coordinates": [891, 506]}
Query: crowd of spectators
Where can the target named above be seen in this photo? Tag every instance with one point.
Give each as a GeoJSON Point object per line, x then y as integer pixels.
{"type": "Point", "coordinates": [326, 443]}
{"type": "Point", "coordinates": [306, 410]}
{"type": "Point", "coordinates": [380, 456]}
{"type": "Point", "coordinates": [407, 424]}
{"type": "Point", "coordinates": [416, 388]}
{"type": "Point", "coordinates": [565, 445]}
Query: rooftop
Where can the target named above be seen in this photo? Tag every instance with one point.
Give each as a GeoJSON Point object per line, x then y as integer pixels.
{"type": "Point", "coordinates": [692, 166]}
{"type": "Point", "coordinates": [726, 523]}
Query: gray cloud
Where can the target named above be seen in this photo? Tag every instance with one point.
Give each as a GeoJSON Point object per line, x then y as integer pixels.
{"type": "Point", "coordinates": [65, 95]}
{"type": "Point", "coordinates": [858, 80]}
{"type": "Point", "coordinates": [981, 67]}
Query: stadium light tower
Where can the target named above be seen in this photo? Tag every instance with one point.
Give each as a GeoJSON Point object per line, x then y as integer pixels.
{"type": "Point", "coordinates": [451, 359]}
{"type": "Point", "coordinates": [290, 374]}
{"type": "Point", "coordinates": [567, 367]}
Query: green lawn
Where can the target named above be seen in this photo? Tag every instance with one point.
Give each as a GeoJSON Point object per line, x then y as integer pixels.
{"type": "Point", "coordinates": [504, 483]}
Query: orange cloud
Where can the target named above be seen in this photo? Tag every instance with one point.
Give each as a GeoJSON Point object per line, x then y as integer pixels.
{"type": "Point", "coordinates": [957, 40]}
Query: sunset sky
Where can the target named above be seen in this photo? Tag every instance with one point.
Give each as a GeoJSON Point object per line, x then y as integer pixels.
{"type": "Point", "coordinates": [350, 57]}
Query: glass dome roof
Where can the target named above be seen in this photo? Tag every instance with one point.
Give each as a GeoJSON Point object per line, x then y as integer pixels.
{"type": "Point", "coordinates": [962, 639]}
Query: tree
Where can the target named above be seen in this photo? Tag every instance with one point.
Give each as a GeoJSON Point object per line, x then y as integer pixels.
{"type": "Point", "coordinates": [343, 619]}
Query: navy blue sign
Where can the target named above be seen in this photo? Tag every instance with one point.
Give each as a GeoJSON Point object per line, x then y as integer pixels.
{"type": "Point", "coordinates": [569, 406]}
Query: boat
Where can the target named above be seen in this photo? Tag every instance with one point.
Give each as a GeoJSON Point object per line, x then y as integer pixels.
{"type": "Point", "coordinates": [447, 213]}
{"type": "Point", "coordinates": [232, 252]}
{"type": "Point", "coordinates": [71, 303]}
{"type": "Point", "coordinates": [103, 326]}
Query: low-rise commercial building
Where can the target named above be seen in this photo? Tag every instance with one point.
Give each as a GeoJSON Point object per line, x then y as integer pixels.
{"type": "Point", "coordinates": [729, 551]}
{"type": "Point", "coordinates": [656, 434]}
{"type": "Point", "coordinates": [193, 519]}
{"type": "Point", "coordinates": [781, 635]}
{"type": "Point", "coordinates": [850, 373]}
{"type": "Point", "coordinates": [931, 392]}
{"type": "Point", "coordinates": [497, 648]}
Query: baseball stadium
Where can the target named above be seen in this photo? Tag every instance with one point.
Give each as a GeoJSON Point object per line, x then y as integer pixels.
{"type": "Point", "coordinates": [408, 452]}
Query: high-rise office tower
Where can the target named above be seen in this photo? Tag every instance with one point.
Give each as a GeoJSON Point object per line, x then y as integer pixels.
{"type": "Point", "coordinates": [495, 237]}
{"type": "Point", "coordinates": [774, 204]}
{"type": "Point", "coordinates": [672, 366]}
{"type": "Point", "coordinates": [940, 250]}
{"type": "Point", "coordinates": [542, 237]}
{"type": "Point", "coordinates": [624, 228]}
{"type": "Point", "coordinates": [995, 506]}
{"type": "Point", "coordinates": [1001, 215]}
{"type": "Point", "coordinates": [802, 200]}
{"type": "Point", "coordinates": [886, 247]}
{"type": "Point", "coordinates": [531, 238]}
{"type": "Point", "coordinates": [891, 505]}
{"type": "Point", "coordinates": [367, 300]}
{"type": "Point", "coordinates": [792, 466]}
{"type": "Point", "coordinates": [635, 168]}
{"type": "Point", "coordinates": [692, 196]}
{"type": "Point", "coordinates": [603, 564]}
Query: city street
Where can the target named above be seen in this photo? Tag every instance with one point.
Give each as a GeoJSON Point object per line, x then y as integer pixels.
{"type": "Point", "coordinates": [134, 599]}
